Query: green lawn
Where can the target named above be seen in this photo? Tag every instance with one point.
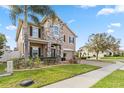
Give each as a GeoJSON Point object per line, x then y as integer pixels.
{"type": "Point", "coordinates": [108, 59]}
{"type": "Point", "coordinates": [45, 76]}
{"type": "Point", "coordinates": [2, 67]}
{"type": "Point", "coordinates": [111, 59]}
{"type": "Point", "coordinates": [114, 80]}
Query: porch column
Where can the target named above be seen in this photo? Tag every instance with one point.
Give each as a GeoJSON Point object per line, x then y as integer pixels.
{"type": "Point", "coordinates": [57, 48]}
{"type": "Point", "coordinates": [62, 51]}
{"type": "Point", "coordinates": [49, 49]}
{"type": "Point", "coordinates": [28, 49]}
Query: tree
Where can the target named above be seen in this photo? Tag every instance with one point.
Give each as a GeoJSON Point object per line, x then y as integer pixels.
{"type": "Point", "coordinates": [100, 42]}
{"type": "Point", "coordinates": [29, 12]}
{"type": "Point", "coordinates": [2, 42]}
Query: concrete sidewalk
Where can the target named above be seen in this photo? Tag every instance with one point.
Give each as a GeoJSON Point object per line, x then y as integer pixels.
{"type": "Point", "coordinates": [86, 80]}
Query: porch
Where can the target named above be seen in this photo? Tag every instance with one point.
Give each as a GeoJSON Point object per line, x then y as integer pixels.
{"type": "Point", "coordinates": [44, 50]}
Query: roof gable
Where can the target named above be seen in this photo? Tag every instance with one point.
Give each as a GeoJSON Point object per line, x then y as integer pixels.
{"type": "Point", "coordinates": [46, 18]}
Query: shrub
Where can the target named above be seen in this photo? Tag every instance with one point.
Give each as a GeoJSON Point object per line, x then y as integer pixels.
{"type": "Point", "coordinates": [84, 58]}
{"type": "Point", "coordinates": [19, 63]}
{"type": "Point", "coordinates": [88, 57]}
{"type": "Point", "coordinates": [30, 62]}
{"type": "Point", "coordinates": [37, 61]}
{"type": "Point", "coordinates": [73, 61]}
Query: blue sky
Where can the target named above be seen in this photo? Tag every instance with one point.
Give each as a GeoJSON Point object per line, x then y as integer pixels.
{"type": "Point", "coordinates": [83, 20]}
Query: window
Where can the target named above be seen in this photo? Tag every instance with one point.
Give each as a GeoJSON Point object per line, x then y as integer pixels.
{"type": "Point", "coordinates": [55, 30]}
{"type": "Point", "coordinates": [35, 31]}
{"type": "Point", "coordinates": [64, 55]}
{"type": "Point", "coordinates": [64, 38]}
{"type": "Point", "coordinates": [35, 51]}
{"type": "Point", "coordinates": [71, 39]}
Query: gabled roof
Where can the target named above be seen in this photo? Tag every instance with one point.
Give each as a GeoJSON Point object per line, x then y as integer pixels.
{"type": "Point", "coordinates": [42, 22]}
{"type": "Point", "coordinates": [45, 19]}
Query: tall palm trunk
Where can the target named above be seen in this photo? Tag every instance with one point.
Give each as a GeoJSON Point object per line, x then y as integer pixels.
{"type": "Point", "coordinates": [25, 33]}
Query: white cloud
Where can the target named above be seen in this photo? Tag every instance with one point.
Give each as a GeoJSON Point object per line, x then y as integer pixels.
{"type": "Point", "coordinates": [70, 21]}
{"type": "Point", "coordinates": [114, 10]}
{"type": "Point", "coordinates": [5, 6]}
{"type": "Point", "coordinates": [110, 31]}
{"type": "Point", "coordinates": [87, 6]}
{"type": "Point", "coordinates": [114, 25]}
{"type": "Point", "coordinates": [110, 27]}
{"type": "Point", "coordinates": [119, 8]}
{"type": "Point", "coordinates": [11, 27]}
{"type": "Point", "coordinates": [105, 11]}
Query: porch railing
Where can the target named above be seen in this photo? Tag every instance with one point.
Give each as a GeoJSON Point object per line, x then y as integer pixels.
{"type": "Point", "coordinates": [50, 60]}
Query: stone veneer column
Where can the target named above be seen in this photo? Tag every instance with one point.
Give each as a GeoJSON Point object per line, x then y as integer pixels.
{"type": "Point", "coordinates": [58, 50]}
{"type": "Point", "coordinates": [49, 49]}
{"type": "Point", "coordinates": [62, 51]}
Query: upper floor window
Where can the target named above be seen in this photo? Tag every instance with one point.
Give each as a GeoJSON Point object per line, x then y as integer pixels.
{"type": "Point", "coordinates": [55, 30]}
{"type": "Point", "coordinates": [35, 32]}
{"type": "Point", "coordinates": [71, 39]}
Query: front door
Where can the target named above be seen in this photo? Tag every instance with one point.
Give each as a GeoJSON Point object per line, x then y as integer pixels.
{"type": "Point", "coordinates": [53, 52]}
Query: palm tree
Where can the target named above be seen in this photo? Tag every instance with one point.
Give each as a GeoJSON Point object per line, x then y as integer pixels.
{"type": "Point", "coordinates": [29, 12]}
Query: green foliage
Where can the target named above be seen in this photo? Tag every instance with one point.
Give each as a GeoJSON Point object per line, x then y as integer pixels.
{"type": "Point", "coordinates": [30, 12]}
{"type": "Point", "coordinates": [51, 60]}
{"type": "Point", "coordinates": [19, 63]}
{"type": "Point", "coordinates": [84, 58]}
{"type": "Point", "coordinates": [30, 62]}
{"type": "Point", "coordinates": [2, 42]}
{"type": "Point", "coordinates": [73, 61]}
{"type": "Point", "coordinates": [2, 67]}
{"type": "Point", "coordinates": [37, 61]}
{"type": "Point", "coordinates": [101, 42]}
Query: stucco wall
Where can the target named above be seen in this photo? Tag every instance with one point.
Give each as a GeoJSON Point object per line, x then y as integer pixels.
{"type": "Point", "coordinates": [20, 42]}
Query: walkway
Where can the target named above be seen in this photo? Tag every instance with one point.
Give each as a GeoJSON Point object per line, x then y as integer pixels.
{"type": "Point", "coordinates": [4, 74]}
{"type": "Point", "coordinates": [86, 80]}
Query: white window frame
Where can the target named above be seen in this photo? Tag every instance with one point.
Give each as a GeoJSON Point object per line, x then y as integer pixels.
{"type": "Point", "coordinates": [35, 32]}
{"type": "Point", "coordinates": [36, 49]}
{"type": "Point", "coordinates": [71, 40]}
{"type": "Point", "coordinates": [58, 32]}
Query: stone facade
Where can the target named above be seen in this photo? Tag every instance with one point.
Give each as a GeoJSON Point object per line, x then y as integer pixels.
{"type": "Point", "coordinates": [51, 39]}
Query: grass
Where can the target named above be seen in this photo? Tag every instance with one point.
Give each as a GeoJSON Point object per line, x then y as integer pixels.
{"type": "Point", "coordinates": [114, 80]}
{"type": "Point", "coordinates": [111, 59]}
{"type": "Point", "coordinates": [108, 59]}
{"type": "Point", "coordinates": [2, 67]}
{"type": "Point", "coordinates": [45, 76]}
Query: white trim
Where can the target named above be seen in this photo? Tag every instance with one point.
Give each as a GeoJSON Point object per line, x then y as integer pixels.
{"type": "Point", "coordinates": [68, 49]}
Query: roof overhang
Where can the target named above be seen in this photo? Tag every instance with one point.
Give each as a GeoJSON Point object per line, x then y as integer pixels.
{"type": "Point", "coordinates": [40, 41]}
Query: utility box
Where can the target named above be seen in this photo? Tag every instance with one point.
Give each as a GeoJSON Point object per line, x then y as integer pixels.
{"type": "Point", "coordinates": [9, 67]}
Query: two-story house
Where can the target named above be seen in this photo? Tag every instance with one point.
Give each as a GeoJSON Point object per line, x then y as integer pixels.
{"type": "Point", "coordinates": [49, 39]}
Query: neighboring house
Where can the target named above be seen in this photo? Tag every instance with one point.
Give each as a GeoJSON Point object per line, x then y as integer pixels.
{"type": "Point", "coordinates": [83, 52]}
{"type": "Point", "coordinates": [47, 40]}
{"type": "Point", "coordinates": [6, 48]}
{"type": "Point", "coordinates": [9, 54]}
